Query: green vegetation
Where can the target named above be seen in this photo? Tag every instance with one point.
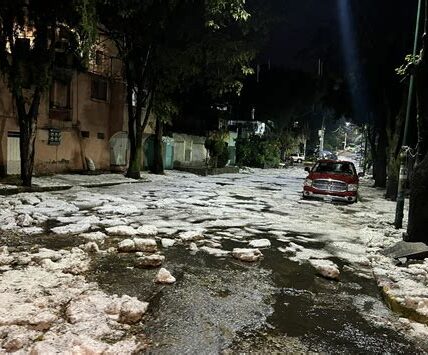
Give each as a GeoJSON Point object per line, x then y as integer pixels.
{"type": "Point", "coordinates": [30, 31]}
{"type": "Point", "coordinates": [218, 149]}
{"type": "Point", "coordinates": [258, 152]}
{"type": "Point", "coordinates": [168, 48]}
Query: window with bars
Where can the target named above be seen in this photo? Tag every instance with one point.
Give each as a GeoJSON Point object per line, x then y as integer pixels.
{"type": "Point", "coordinates": [59, 95]}
{"type": "Point", "coordinates": [99, 88]}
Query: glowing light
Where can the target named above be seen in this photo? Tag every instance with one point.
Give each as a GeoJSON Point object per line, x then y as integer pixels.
{"type": "Point", "coordinates": [353, 67]}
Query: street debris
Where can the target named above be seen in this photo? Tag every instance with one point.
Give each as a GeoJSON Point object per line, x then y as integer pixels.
{"type": "Point", "coordinates": [44, 290]}
{"type": "Point", "coordinates": [148, 261]}
{"type": "Point", "coordinates": [164, 277]}
{"type": "Point", "coordinates": [326, 268]}
{"type": "Point", "coordinates": [259, 243]}
{"type": "Point", "coordinates": [249, 255]}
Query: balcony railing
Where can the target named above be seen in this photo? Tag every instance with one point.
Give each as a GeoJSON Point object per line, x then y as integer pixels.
{"type": "Point", "coordinates": [106, 66]}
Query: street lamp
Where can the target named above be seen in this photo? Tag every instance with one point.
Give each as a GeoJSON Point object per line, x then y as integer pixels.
{"type": "Point", "coordinates": [347, 124]}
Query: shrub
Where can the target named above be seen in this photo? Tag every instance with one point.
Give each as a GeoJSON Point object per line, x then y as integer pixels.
{"type": "Point", "coordinates": [217, 147]}
{"type": "Point", "coordinates": [257, 152]}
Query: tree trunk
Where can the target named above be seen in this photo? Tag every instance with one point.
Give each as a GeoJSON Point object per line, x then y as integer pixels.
{"type": "Point", "coordinates": [366, 165]}
{"type": "Point", "coordinates": [392, 182]}
{"type": "Point", "coordinates": [371, 136]}
{"type": "Point", "coordinates": [135, 129]}
{"type": "Point", "coordinates": [28, 131]}
{"type": "Point", "coordinates": [418, 209]}
{"type": "Point", "coordinates": [134, 167]}
{"type": "Point", "coordinates": [379, 165]}
{"type": "Point", "coordinates": [136, 77]}
{"type": "Point", "coordinates": [395, 132]}
{"type": "Point", "coordinates": [158, 149]}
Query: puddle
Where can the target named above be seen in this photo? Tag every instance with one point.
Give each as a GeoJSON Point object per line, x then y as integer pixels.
{"type": "Point", "coordinates": [322, 313]}
{"type": "Point", "coordinates": [51, 223]}
{"type": "Point", "coordinates": [221, 304]}
{"type": "Point", "coordinates": [212, 300]}
{"type": "Point", "coordinates": [272, 305]}
{"type": "Point", "coordinates": [49, 241]}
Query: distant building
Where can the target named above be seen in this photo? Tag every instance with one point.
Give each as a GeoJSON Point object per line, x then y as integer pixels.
{"type": "Point", "coordinates": [246, 128]}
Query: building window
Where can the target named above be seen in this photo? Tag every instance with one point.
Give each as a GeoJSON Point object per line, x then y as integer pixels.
{"type": "Point", "coordinates": [60, 101]}
{"type": "Point", "coordinates": [100, 135]}
{"type": "Point", "coordinates": [59, 95]}
{"type": "Point", "coordinates": [85, 134]}
{"type": "Point", "coordinates": [99, 88]}
{"type": "Point", "coordinates": [99, 58]}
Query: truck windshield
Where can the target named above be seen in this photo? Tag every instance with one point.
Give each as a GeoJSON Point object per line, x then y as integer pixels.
{"type": "Point", "coordinates": [335, 168]}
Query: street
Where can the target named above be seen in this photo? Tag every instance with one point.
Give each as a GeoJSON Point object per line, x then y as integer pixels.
{"type": "Point", "coordinates": [60, 268]}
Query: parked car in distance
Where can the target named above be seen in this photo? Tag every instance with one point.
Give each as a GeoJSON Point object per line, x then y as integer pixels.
{"type": "Point", "coordinates": [332, 180]}
{"type": "Point", "coordinates": [325, 154]}
{"type": "Point", "coordinates": [298, 158]}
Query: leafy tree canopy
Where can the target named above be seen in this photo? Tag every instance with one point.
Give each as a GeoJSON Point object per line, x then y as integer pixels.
{"type": "Point", "coordinates": [30, 31]}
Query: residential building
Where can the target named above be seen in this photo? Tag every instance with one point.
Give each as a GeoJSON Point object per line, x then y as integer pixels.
{"type": "Point", "coordinates": [82, 118]}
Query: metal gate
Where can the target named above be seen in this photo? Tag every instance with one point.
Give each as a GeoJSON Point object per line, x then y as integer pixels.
{"type": "Point", "coordinates": [168, 148]}
{"type": "Point", "coordinates": [119, 149]}
{"type": "Point", "coordinates": [168, 152]}
{"type": "Point", "coordinates": [13, 154]}
{"type": "Point", "coordinates": [149, 152]}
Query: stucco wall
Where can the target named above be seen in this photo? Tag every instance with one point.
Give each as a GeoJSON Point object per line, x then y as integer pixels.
{"type": "Point", "coordinates": [194, 145]}
{"type": "Point", "coordinates": [98, 119]}
{"type": "Point", "coordinates": [101, 119]}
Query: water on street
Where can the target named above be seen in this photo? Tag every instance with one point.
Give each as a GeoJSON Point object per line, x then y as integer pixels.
{"type": "Point", "coordinates": [220, 304]}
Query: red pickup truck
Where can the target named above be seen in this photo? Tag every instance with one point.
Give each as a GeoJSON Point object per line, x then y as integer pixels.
{"type": "Point", "coordinates": [332, 180]}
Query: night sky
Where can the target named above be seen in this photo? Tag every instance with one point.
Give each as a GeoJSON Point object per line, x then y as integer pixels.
{"type": "Point", "coordinates": [308, 32]}
{"type": "Point", "coordinates": [311, 29]}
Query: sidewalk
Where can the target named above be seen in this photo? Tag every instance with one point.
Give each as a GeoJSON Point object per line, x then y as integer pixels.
{"type": "Point", "coordinates": [67, 181]}
{"type": "Point", "coordinates": [402, 282]}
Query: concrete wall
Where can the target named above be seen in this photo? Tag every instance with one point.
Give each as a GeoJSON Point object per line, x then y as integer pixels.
{"type": "Point", "coordinates": [189, 150]}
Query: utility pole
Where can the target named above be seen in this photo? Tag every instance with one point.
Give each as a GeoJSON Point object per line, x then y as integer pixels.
{"type": "Point", "coordinates": [321, 133]}
{"type": "Point", "coordinates": [399, 211]}
{"type": "Point", "coordinates": [365, 148]}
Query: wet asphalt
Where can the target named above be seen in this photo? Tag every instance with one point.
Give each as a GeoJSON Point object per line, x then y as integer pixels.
{"type": "Point", "coordinates": [221, 305]}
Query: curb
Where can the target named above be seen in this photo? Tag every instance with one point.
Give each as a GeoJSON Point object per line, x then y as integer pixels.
{"type": "Point", "coordinates": [20, 189]}
{"type": "Point", "coordinates": [398, 307]}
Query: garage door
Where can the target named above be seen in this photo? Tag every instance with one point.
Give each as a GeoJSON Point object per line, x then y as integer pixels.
{"type": "Point", "coordinates": [13, 154]}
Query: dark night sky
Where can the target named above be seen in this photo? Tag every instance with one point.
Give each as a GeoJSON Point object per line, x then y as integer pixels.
{"type": "Point", "coordinates": [311, 30]}
{"type": "Point", "coordinates": [379, 32]}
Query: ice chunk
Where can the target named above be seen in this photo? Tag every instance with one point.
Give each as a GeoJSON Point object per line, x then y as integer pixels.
{"type": "Point", "coordinates": [249, 255]}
